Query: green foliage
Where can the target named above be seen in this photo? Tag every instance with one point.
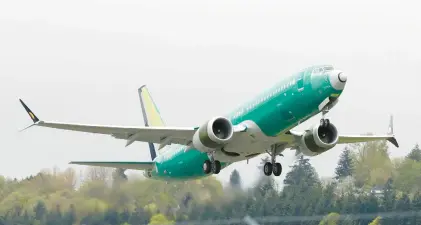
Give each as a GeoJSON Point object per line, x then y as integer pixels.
{"type": "Point", "coordinates": [302, 175]}
{"type": "Point", "coordinates": [160, 219]}
{"type": "Point", "coordinates": [345, 166]}
{"type": "Point", "coordinates": [415, 153]}
{"type": "Point", "coordinates": [375, 221]}
{"type": "Point", "coordinates": [235, 179]}
{"type": "Point", "coordinates": [110, 197]}
{"type": "Point", "coordinates": [408, 172]}
{"type": "Point", "coordinates": [331, 219]}
{"type": "Point", "coordinates": [372, 164]}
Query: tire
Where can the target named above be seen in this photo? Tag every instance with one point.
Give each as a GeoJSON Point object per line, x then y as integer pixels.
{"type": "Point", "coordinates": [217, 167]}
{"type": "Point", "coordinates": [207, 167]}
{"type": "Point", "coordinates": [267, 169]}
{"type": "Point", "coordinates": [277, 169]}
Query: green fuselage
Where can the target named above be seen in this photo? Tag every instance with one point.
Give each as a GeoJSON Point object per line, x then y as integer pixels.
{"type": "Point", "coordinates": [275, 111]}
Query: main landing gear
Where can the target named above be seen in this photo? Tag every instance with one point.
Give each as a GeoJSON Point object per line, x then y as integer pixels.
{"type": "Point", "coordinates": [324, 122]}
{"type": "Point", "coordinates": [211, 165]}
{"type": "Point", "coordinates": [273, 166]}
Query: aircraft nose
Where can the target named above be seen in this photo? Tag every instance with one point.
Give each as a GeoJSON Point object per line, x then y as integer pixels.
{"type": "Point", "coordinates": [342, 77]}
{"type": "Point", "coordinates": [338, 79]}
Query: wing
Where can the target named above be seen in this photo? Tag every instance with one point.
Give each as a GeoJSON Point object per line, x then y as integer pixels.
{"type": "Point", "coordinates": [175, 135]}
{"type": "Point", "coordinates": [347, 139]}
{"type": "Point", "coordinates": [160, 135]}
{"type": "Point", "coordinates": [122, 165]}
{"type": "Point", "coordinates": [390, 136]}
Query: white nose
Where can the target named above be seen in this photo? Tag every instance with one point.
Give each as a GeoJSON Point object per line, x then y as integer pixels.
{"type": "Point", "coordinates": [337, 79]}
{"type": "Point", "coordinates": [342, 77]}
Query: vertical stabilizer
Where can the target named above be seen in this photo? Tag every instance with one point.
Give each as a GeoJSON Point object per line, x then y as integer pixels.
{"type": "Point", "coordinates": [150, 114]}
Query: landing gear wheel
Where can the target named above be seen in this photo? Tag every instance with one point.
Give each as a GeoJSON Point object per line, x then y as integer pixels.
{"type": "Point", "coordinates": [207, 166]}
{"type": "Point", "coordinates": [267, 169]}
{"type": "Point", "coordinates": [277, 169]}
{"type": "Point", "coordinates": [216, 168]}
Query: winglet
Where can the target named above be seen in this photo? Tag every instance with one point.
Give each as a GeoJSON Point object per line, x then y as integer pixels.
{"type": "Point", "coordinates": [390, 132]}
{"type": "Point", "coordinates": [30, 113]}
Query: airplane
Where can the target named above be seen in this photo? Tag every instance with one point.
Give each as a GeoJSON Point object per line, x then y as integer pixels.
{"type": "Point", "coordinates": [264, 124]}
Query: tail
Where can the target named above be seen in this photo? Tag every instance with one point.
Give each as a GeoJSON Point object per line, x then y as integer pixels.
{"type": "Point", "coordinates": [151, 115]}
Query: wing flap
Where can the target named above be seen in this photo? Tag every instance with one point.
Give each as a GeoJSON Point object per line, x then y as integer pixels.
{"type": "Point", "coordinates": [122, 165]}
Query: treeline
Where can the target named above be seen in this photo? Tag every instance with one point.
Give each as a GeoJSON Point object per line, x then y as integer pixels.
{"type": "Point", "coordinates": [387, 191]}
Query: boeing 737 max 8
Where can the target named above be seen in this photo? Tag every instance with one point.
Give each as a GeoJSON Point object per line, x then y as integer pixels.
{"type": "Point", "coordinates": [265, 124]}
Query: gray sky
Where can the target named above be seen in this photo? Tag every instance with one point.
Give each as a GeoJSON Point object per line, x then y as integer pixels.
{"type": "Point", "coordinates": [82, 61]}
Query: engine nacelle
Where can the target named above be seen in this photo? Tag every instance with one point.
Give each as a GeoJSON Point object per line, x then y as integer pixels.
{"type": "Point", "coordinates": [213, 134]}
{"type": "Point", "coordinates": [318, 140]}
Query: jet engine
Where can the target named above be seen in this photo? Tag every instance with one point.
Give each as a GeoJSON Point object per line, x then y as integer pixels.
{"type": "Point", "coordinates": [214, 134]}
{"type": "Point", "coordinates": [319, 139]}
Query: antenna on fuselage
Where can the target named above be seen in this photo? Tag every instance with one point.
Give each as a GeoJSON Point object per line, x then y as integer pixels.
{"type": "Point", "coordinates": [145, 119]}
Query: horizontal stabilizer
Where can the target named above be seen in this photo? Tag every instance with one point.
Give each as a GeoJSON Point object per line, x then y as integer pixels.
{"type": "Point", "coordinates": [123, 165]}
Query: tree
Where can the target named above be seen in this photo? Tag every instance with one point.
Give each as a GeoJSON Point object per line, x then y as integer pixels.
{"type": "Point", "coordinates": [69, 176]}
{"type": "Point", "coordinates": [345, 167]}
{"type": "Point", "coordinates": [389, 196]}
{"type": "Point", "coordinates": [372, 164]}
{"type": "Point", "coordinates": [40, 210]}
{"type": "Point", "coordinates": [69, 217]}
{"type": "Point", "coordinates": [160, 219]}
{"type": "Point", "coordinates": [96, 173]}
{"type": "Point", "coordinates": [416, 206]}
{"type": "Point", "coordinates": [302, 188]}
{"type": "Point", "coordinates": [389, 202]}
{"type": "Point", "coordinates": [302, 172]}
{"type": "Point", "coordinates": [403, 204]}
{"type": "Point", "coordinates": [408, 176]}
{"type": "Point", "coordinates": [235, 179]}
{"type": "Point", "coordinates": [415, 153]}
{"type": "Point", "coordinates": [331, 219]}
{"type": "Point", "coordinates": [119, 174]}
{"type": "Point", "coordinates": [376, 221]}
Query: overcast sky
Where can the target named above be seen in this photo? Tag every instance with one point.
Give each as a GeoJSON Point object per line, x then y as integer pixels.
{"type": "Point", "coordinates": [82, 61]}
